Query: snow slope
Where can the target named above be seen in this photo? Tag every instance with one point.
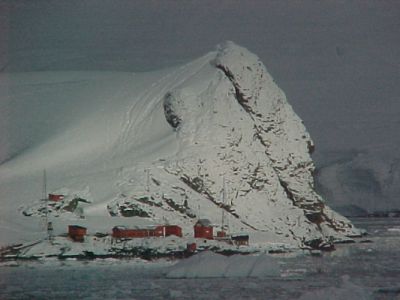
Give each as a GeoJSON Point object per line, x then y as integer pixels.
{"type": "Point", "coordinates": [159, 147]}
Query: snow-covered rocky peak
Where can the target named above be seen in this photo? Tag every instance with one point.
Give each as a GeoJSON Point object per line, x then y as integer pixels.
{"type": "Point", "coordinates": [215, 137]}
{"type": "Point", "coordinates": [237, 124]}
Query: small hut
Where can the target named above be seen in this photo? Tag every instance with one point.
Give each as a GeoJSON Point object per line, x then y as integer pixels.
{"type": "Point", "coordinates": [77, 233]}
{"type": "Point", "coordinates": [203, 229]}
{"type": "Point", "coordinates": [191, 248]}
{"type": "Point", "coordinates": [240, 239]}
{"type": "Point", "coordinates": [221, 234]}
{"type": "Point", "coordinates": [56, 197]}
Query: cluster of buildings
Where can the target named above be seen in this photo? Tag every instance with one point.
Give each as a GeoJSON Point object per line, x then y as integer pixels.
{"type": "Point", "coordinates": [203, 229]}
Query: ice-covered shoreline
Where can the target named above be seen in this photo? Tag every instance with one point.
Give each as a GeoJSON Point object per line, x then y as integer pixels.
{"type": "Point", "coordinates": [341, 274]}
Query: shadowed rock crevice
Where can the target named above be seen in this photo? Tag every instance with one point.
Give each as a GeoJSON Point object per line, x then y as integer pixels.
{"type": "Point", "coordinates": [240, 97]}
{"type": "Point", "coordinates": [171, 115]}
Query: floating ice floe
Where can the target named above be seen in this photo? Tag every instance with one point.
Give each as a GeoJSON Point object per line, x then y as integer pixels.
{"type": "Point", "coordinates": [208, 264]}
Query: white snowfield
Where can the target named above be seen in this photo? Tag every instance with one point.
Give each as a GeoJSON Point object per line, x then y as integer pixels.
{"type": "Point", "coordinates": [157, 147]}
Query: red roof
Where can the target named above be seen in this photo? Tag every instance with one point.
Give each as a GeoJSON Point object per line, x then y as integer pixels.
{"type": "Point", "coordinates": [56, 197]}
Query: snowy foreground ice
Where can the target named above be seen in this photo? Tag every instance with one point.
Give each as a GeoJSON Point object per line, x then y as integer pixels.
{"type": "Point", "coordinates": [368, 269]}
{"type": "Point", "coordinates": [208, 265]}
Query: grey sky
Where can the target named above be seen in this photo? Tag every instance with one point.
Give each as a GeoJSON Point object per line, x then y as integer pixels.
{"type": "Point", "coordinates": [337, 61]}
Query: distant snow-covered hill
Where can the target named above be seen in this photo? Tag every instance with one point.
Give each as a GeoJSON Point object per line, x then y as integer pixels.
{"type": "Point", "coordinates": [162, 147]}
{"type": "Point", "coordinates": [361, 181]}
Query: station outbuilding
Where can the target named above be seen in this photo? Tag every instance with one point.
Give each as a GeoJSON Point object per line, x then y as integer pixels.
{"type": "Point", "coordinates": [77, 233]}
{"type": "Point", "coordinates": [203, 229]}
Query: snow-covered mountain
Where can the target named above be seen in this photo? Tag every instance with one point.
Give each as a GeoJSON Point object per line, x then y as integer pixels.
{"type": "Point", "coordinates": [162, 147]}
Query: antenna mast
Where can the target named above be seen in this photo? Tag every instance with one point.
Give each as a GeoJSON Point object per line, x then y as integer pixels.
{"type": "Point", "coordinates": [223, 204]}
{"type": "Point", "coordinates": [148, 180]}
{"type": "Point", "coordinates": [45, 198]}
{"type": "Point", "coordinates": [49, 225]}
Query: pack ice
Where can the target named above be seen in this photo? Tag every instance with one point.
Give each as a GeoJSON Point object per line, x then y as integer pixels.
{"type": "Point", "coordinates": [161, 147]}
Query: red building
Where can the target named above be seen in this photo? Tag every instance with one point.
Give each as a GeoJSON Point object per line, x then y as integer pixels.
{"type": "Point", "coordinates": [173, 230]}
{"type": "Point", "coordinates": [191, 247]}
{"type": "Point", "coordinates": [56, 197]}
{"type": "Point", "coordinates": [77, 233]}
{"type": "Point", "coordinates": [157, 231]}
{"type": "Point", "coordinates": [203, 229]}
{"type": "Point", "coordinates": [123, 232]}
